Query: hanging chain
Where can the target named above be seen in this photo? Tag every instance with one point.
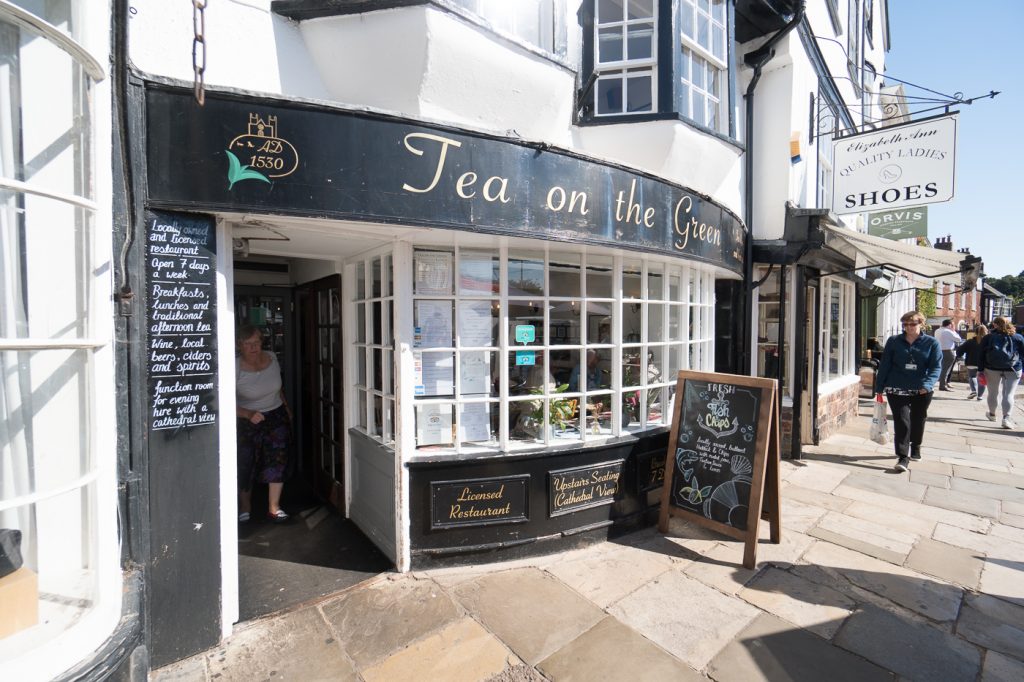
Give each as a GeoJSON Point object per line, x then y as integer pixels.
{"type": "Point", "coordinates": [199, 48]}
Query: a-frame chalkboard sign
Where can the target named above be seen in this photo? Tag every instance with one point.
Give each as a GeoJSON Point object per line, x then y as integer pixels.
{"type": "Point", "coordinates": [722, 465]}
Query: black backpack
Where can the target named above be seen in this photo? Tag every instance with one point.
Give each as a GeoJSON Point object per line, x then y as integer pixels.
{"type": "Point", "coordinates": [1000, 354]}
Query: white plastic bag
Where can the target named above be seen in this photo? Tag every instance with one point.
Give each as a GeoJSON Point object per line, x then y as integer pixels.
{"type": "Point", "coordinates": [879, 423]}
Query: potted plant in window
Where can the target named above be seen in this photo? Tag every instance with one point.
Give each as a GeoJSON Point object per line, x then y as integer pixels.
{"type": "Point", "coordinates": [560, 410]}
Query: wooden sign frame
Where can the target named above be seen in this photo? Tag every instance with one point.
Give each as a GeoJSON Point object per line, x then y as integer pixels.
{"type": "Point", "coordinates": [765, 495]}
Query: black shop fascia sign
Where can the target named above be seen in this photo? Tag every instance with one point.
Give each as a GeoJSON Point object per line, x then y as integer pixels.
{"type": "Point", "coordinates": [243, 154]}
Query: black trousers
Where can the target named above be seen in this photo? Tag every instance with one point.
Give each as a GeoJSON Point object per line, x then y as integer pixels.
{"type": "Point", "coordinates": [909, 413]}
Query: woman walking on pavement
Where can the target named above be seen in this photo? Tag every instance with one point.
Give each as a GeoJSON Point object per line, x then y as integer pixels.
{"type": "Point", "coordinates": [969, 350]}
{"type": "Point", "coordinates": [910, 366]}
{"type": "Point", "coordinates": [1000, 359]}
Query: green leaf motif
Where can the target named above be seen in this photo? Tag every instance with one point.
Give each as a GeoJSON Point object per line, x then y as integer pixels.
{"type": "Point", "coordinates": [237, 172]}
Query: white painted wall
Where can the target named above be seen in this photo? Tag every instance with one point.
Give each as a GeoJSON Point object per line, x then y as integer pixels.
{"type": "Point", "coordinates": [674, 151]}
{"type": "Point", "coordinates": [775, 107]}
{"type": "Point", "coordinates": [425, 63]}
{"type": "Point", "coordinates": [247, 47]}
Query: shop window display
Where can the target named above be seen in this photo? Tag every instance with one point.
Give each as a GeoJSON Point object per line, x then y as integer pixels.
{"type": "Point", "coordinates": [522, 348]}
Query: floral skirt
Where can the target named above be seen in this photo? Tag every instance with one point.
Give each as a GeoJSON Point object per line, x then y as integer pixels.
{"type": "Point", "coordinates": [263, 449]}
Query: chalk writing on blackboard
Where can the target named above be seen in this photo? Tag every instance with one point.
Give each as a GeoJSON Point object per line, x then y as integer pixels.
{"type": "Point", "coordinates": [721, 466]}
{"type": "Point", "coordinates": [715, 451]}
{"type": "Point", "coordinates": [181, 299]}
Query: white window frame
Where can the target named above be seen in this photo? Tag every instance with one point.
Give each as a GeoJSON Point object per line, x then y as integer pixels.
{"type": "Point", "coordinates": [364, 395]}
{"type": "Point", "coordinates": [693, 347]}
{"type": "Point", "coordinates": [846, 329]}
{"type": "Point", "coordinates": [624, 69]}
{"type": "Point", "coordinates": [73, 632]}
{"type": "Point", "coordinates": [826, 127]}
{"type": "Point", "coordinates": [694, 53]}
{"type": "Point", "coordinates": [500, 15]}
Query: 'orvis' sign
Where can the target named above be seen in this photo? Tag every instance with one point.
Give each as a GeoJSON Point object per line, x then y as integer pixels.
{"type": "Point", "coordinates": [245, 154]}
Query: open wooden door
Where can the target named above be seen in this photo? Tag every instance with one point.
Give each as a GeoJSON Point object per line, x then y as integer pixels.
{"type": "Point", "coordinates": [321, 356]}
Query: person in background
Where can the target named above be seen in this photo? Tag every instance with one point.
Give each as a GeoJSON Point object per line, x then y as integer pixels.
{"type": "Point", "coordinates": [907, 373]}
{"type": "Point", "coordinates": [948, 342]}
{"type": "Point", "coordinates": [969, 350]}
{"type": "Point", "coordinates": [592, 374]}
{"type": "Point", "coordinates": [264, 424]}
{"type": "Point", "coordinates": [1000, 359]}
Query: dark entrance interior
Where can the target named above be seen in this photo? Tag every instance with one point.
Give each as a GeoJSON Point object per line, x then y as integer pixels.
{"type": "Point", "coordinates": [317, 551]}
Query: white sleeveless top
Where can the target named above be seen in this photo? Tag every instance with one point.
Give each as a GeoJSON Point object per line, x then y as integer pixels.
{"type": "Point", "coordinates": [260, 391]}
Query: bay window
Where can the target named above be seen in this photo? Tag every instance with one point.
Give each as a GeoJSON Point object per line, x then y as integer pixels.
{"type": "Point", "coordinates": [703, 69]}
{"type": "Point", "coordinates": [527, 345]}
{"type": "Point", "coordinates": [665, 64]}
{"type": "Point", "coordinates": [536, 22]}
{"type": "Point", "coordinates": [58, 494]}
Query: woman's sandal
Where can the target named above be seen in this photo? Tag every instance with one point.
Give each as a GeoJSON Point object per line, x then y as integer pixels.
{"type": "Point", "coordinates": [278, 517]}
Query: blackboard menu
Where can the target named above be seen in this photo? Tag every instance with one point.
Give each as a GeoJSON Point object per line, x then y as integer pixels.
{"type": "Point", "coordinates": [180, 317]}
{"type": "Point", "coordinates": [179, 353]}
{"type": "Point", "coordinates": [715, 448]}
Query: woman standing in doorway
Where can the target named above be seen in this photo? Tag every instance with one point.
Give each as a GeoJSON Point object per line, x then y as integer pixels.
{"type": "Point", "coordinates": [264, 424]}
{"type": "Point", "coordinates": [907, 373]}
{"type": "Point", "coordinates": [1000, 359]}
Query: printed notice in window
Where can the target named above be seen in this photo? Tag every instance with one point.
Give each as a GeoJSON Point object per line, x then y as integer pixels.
{"type": "Point", "coordinates": [434, 425]}
{"type": "Point", "coordinates": [433, 270]}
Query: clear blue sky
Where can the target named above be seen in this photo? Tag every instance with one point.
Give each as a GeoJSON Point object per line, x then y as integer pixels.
{"type": "Point", "coordinates": [972, 48]}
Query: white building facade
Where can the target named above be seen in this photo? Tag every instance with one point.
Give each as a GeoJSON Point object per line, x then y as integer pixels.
{"type": "Point", "coordinates": [482, 237]}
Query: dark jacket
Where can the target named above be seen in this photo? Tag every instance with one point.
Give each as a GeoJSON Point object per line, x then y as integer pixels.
{"type": "Point", "coordinates": [997, 337]}
{"type": "Point", "coordinates": [924, 354]}
{"type": "Point", "coordinates": [970, 350]}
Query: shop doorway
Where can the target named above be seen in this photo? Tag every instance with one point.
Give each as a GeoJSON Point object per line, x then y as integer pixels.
{"type": "Point", "coordinates": [322, 419]}
{"type": "Point", "coordinates": [317, 551]}
{"type": "Point", "coordinates": [809, 364]}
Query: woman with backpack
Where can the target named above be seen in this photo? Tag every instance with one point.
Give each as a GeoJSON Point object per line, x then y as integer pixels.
{"type": "Point", "coordinates": [1000, 360]}
{"type": "Point", "coordinates": [970, 350]}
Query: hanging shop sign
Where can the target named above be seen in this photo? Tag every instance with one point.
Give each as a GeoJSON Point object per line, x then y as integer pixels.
{"type": "Point", "coordinates": [899, 224]}
{"type": "Point", "coordinates": [722, 463]}
{"type": "Point", "coordinates": [256, 155]}
{"type": "Point", "coordinates": [896, 167]}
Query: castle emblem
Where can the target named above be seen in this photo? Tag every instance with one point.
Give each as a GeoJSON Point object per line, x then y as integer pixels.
{"type": "Point", "coordinates": [260, 154]}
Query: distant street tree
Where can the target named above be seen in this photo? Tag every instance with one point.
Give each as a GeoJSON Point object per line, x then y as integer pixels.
{"type": "Point", "coordinates": [1012, 286]}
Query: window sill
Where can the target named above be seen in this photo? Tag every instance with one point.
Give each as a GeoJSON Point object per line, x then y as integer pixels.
{"type": "Point", "coordinates": [533, 451]}
{"type": "Point", "coordinates": [618, 119]}
{"type": "Point", "coordinates": [837, 384]}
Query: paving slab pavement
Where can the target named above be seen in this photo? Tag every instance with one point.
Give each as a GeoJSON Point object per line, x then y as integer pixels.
{"type": "Point", "coordinates": [880, 575]}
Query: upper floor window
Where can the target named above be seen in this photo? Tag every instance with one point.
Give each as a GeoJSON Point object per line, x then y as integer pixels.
{"type": "Point", "coordinates": [853, 40]}
{"type": "Point", "coordinates": [826, 128]}
{"type": "Point", "coordinates": [626, 56]}
{"type": "Point", "coordinates": [869, 21]}
{"type": "Point", "coordinates": [623, 46]}
{"type": "Point", "coordinates": [537, 22]}
{"type": "Point", "coordinates": [703, 69]}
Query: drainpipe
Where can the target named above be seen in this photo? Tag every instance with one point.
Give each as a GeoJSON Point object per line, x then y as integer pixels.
{"type": "Point", "coordinates": [756, 59]}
